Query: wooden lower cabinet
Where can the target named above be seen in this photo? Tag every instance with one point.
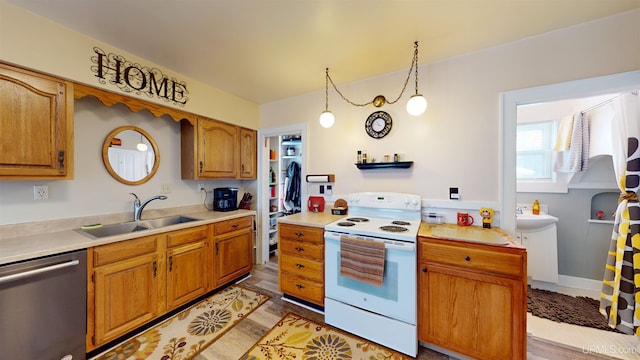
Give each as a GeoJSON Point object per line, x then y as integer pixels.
{"type": "Point", "coordinates": [472, 298]}
{"type": "Point", "coordinates": [301, 262]}
{"type": "Point", "coordinates": [233, 254]}
{"type": "Point", "coordinates": [187, 265]}
{"type": "Point", "coordinates": [124, 289]}
{"type": "Point", "coordinates": [134, 281]}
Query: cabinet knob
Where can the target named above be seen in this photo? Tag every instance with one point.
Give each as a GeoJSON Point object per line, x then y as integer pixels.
{"type": "Point", "coordinates": [299, 286]}
{"type": "Point", "coordinates": [298, 249]}
{"type": "Point", "coordinates": [299, 266]}
{"type": "Point", "coordinates": [424, 270]}
{"type": "Point", "coordinates": [298, 234]}
{"type": "Point", "coordinates": [467, 258]}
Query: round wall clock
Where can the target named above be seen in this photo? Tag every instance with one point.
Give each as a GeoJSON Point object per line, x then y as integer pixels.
{"type": "Point", "coordinates": [378, 124]}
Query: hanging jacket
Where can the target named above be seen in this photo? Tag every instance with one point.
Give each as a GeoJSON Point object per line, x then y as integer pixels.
{"type": "Point", "coordinates": [293, 189]}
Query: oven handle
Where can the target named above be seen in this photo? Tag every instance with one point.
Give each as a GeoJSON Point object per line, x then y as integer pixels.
{"type": "Point", "coordinates": [388, 244]}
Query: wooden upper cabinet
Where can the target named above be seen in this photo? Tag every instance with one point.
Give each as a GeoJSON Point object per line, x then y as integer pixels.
{"type": "Point", "coordinates": [248, 154]}
{"type": "Point", "coordinates": [36, 123]}
{"type": "Point", "coordinates": [216, 150]}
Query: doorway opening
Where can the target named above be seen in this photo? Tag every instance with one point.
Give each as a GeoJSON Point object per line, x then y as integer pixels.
{"type": "Point", "coordinates": [617, 83]}
{"type": "Point", "coordinates": [281, 168]}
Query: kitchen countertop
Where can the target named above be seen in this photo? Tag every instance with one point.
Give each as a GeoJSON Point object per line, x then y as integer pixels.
{"type": "Point", "coordinates": [310, 219]}
{"type": "Point", "coordinates": [49, 243]}
{"type": "Point", "coordinates": [475, 234]}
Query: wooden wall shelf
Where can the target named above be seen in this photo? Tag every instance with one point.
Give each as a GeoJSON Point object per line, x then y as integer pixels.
{"type": "Point", "coordinates": [385, 165]}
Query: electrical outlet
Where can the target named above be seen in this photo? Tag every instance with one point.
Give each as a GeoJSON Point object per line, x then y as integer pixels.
{"type": "Point", "coordinates": [165, 188]}
{"type": "Point", "coordinates": [40, 192]}
{"type": "Point", "coordinates": [201, 187]}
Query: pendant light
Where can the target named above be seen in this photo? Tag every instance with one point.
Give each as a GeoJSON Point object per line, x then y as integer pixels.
{"type": "Point", "coordinates": [141, 145]}
{"type": "Point", "coordinates": [326, 118]}
{"type": "Point", "coordinates": [416, 105]}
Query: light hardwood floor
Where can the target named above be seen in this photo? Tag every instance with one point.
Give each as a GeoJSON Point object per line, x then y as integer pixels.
{"type": "Point", "coordinates": [233, 344]}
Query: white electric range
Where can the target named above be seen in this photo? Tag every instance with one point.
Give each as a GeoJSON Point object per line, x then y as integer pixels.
{"type": "Point", "coordinates": [385, 314]}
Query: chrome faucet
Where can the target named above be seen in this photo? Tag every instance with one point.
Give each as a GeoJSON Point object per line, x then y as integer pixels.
{"type": "Point", "coordinates": [138, 207]}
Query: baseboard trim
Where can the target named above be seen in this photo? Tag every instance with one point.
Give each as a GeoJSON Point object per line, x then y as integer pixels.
{"type": "Point", "coordinates": [579, 283]}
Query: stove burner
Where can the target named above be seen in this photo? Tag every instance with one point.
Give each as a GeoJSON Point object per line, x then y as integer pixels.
{"type": "Point", "coordinates": [400, 222]}
{"type": "Point", "coordinates": [345, 223]}
{"type": "Point", "coordinates": [357, 219]}
{"type": "Point", "coordinates": [392, 228]}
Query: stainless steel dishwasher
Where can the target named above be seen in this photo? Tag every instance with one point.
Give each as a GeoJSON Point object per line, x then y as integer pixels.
{"type": "Point", "coordinates": [43, 308]}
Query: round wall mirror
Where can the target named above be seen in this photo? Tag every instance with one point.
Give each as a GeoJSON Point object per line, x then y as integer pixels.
{"type": "Point", "coordinates": [130, 155]}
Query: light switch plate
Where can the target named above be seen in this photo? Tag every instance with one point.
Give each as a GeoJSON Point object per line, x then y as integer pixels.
{"type": "Point", "coordinates": [453, 193]}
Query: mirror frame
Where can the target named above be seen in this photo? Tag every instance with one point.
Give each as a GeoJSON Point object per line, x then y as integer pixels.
{"type": "Point", "coordinates": [107, 164]}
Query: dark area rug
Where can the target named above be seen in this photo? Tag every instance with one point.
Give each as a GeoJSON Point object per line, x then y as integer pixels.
{"type": "Point", "coordinates": [581, 310]}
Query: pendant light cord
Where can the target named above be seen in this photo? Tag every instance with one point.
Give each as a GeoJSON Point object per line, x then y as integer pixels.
{"type": "Point", "coordinates": [414, 63]}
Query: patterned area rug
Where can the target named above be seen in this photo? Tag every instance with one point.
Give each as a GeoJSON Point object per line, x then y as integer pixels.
{"type": "Point", "coordinates": [558, 307]}
{"type": "Point", "coordinates": [295, 337]}
{"type": "Point", "coordinates": [189, 332]}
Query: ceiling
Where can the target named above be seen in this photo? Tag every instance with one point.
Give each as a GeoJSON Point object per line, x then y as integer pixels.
{"type": "Point", "coordinates": [266, 50]}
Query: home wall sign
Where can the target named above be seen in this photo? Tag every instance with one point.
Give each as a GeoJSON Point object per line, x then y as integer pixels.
{"type": "Point", "coordinates": [134, 78]}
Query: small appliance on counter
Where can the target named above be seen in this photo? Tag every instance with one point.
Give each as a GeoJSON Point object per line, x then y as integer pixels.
{"type": "Point", "coordinates": [316, 203]}
{"type": "Point", "coordinates": [340, 207]}
{"type": "Point", "coordinates": [225, 199]}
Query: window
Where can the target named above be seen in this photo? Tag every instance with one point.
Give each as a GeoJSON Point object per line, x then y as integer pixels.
{"type": "Point", "coordinates": [534, 149]}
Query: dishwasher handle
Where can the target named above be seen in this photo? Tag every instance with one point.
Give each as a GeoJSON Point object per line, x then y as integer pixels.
{"type": "Point", "coordinates": [34, 272]}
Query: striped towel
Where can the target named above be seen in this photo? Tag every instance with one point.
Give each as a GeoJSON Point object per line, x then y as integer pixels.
{"type": "Point", "coordinates": [362, 260]}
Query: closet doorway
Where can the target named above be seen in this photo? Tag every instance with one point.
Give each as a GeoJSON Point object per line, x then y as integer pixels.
{"type": "Point", "coordinates": [281, 169]}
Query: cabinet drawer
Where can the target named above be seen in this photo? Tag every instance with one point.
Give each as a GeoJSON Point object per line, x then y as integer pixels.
{"type": "Point", "coordinates": [472, 257]}
{"type": "Point", "coordinates": [186, 236]}
{"type": "Point", "coordinates": [107, 254]}
{"type": "Point", "coordinates": [309, 269]}
{"type": "Point", "coordinates": [302, 288]}
{"type": "Point", "coordinates": [302, 248]}
{"type": "Point", "coordinates": [226, 226]}
{"type": "Point", "coordinates": [305, 233]}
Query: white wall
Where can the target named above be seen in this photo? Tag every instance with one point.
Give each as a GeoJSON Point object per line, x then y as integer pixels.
{"type": "Point", "coordinates": [457, 141]}
{"type": "Point", "coordinates": [93, 191]}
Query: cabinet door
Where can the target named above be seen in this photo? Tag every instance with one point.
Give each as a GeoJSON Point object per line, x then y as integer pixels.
{"type": "Point", "coordinates": [248, 154]}
{"type": "Point", "coordinates": [470, 313]}
{"type": "Point", "coordinates": [217, 149]}
{"type": "Point", "coordinates": [233, 255]}
{"type": "Point", "coordinates": [36, 123]}
{"type": "Point", "coordinates": [186, 273]}
{"type": "Point", "coordinates": [126, 296]}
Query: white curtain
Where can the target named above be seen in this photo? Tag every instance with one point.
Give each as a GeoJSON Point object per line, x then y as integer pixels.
{"type": "Point", "coordinates": [620, 298]}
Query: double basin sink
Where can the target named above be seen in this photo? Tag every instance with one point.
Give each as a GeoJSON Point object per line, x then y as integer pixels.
{"type": "Point", "coordinates": [100, 231]}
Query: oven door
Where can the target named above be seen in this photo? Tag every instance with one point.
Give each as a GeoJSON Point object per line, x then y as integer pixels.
{"type": "Point", "coordinates": [396, 298]}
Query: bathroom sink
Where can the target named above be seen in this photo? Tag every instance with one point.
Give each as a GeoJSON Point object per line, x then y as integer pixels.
{"type": "Point", "coordinates": [470, 233]}
{"type": "Point", "coordinates": [133, 226]}
{"type": "Point", "coordinates": [528, 221]}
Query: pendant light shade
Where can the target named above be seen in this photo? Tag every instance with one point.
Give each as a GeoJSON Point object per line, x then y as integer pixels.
{"type": "Point", "coordinates": [416, 105]}
{"type": "Point", "coordinates": [327, 119]}
{"type": "Point", "coordinates": [141, 145]}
